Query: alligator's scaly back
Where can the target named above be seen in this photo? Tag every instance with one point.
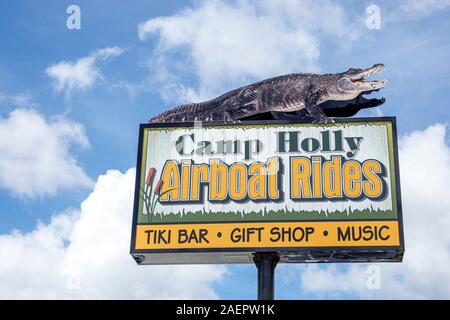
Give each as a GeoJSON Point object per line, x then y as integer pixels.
{"type": "Point", "coordinates": [223, 107]}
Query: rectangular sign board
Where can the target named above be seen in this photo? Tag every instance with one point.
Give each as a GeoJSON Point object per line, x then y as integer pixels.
{"type": "Point", "coordinates": [219, 192]}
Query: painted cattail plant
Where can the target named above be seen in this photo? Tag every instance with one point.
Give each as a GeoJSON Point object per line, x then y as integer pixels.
{"type": "Point", "coordinates": [149, 195]}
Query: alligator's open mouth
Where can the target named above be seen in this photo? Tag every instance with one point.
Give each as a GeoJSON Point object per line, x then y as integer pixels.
{"type": "Point", "coordinates": [357, 77]}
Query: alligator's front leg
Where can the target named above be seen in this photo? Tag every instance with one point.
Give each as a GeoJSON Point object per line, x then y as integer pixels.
{"type": "Point", "coordinates": [313, 109]}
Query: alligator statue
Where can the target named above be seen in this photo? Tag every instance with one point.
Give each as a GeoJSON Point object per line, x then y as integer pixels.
{"type": "Point", "coordinates": [311, 97]}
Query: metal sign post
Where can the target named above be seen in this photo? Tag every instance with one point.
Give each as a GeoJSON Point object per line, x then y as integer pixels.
{"type": "Point", "coordinates": [266, 263]}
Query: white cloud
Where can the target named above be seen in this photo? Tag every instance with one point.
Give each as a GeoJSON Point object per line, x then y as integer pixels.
{"type": "Point", "coordinates": [35, 156]}
{"type": "Point", "coordinates": [21, 100]}
{"type": "Point", "coordinates": [82, 73]}
{"type": "Point", "coordinates": [225, 43]}
{"type": "Point", "coordinates": [425, 176]}
{"type": "Point", "coordinates": [84, 254]}
{"type": "Point", "coordinates": [418, 9]}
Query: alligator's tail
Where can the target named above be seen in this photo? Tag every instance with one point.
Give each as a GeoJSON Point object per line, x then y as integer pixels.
{"type": "Point", "coordinates": [184, 112]}
{"type": "Point", "coordinates": [202, 111]}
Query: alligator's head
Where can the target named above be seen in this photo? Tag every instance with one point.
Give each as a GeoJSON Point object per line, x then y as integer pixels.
{"type": "Point", "coordinates": [351, 83]}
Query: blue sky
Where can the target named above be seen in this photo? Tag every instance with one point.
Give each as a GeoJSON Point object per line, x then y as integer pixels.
{"type": "Point", "coordinates": [168, 52]}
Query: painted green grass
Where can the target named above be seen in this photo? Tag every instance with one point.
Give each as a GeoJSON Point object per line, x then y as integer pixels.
{"type": "Point", "coordinates": [267, 215]}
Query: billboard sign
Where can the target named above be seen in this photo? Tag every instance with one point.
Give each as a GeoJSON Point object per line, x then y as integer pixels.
{"type": "Point", "coordinates": [218, 192]}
